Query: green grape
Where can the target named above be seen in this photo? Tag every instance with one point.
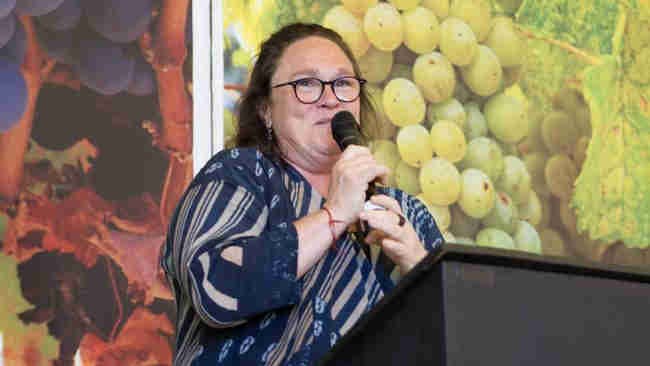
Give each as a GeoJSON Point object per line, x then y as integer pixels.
{"type": "Point", "coordinates": [358, 7]}
{"type": "Point", "coordinates": [448, 141]}
{"type": "Point", "coordinates": [483, 75]}
{"type": "Point", "coordinates": [463, 240]}
{"type": "Point", "coordinates": [533, 142]}
{"type": "Point", "coordinates": [403, 102]}
{"type": "Point", "coordinates": [580, 151]}
{"type": "Point", "coordinates": [495, 238]}
{"type": "Point", "coordinates": [405, 4]}
{"type": "Point", "coordinates": [461, 224]}
{"type": "Point", "coordinates": [560, 174]}
{"type": "Point", "coordinates": [567, 99]}
{"type": "Point", "coordinates": [568, 218]}
{"type": "Point", "coordinates": [526, 238]}
{"type": "Point", "coordinates": [476, 125]}
{"type": "Point", "coordinates": [439, 7]}
{"type": "Point", "coordinates": [552, 243]}
{"type": "Point", "coordinates": [421, 30]}
{"type": "Point", "coordinates": [559, 132]}
{"type": "Point", "coordinates": [476, 13]}
{"type": "Point", "coordinates": [440, 213]}
{"type": "Point", "coordinates": [506, 118]}
{"type": "Point", "coordinates": [375, 65]}
{"type": "Point", "coordinates": [349, 27]}
{"type": "Point", "coordinates": [484, 154]}
{"type": "Point", "coordinates": [383, 25]}
{"type": "Point", "coordinates": [384, 129]}
{"type": "Point", "coordinates": [435, 77]}
{"type": "Point", "coordinates": [400, 71]}
{"type": "Point", "coordinates": [440, 182]}
{"type": "Point", "coordinates": [386, 153]}
{"type": "Point", "coordinates": [573, 103]}
{"type": "Point", "coordinates": [535, 164]}
{"type": "Point", "coordinates": [414, 145]}
{"type": "Point", "coordinates": [406, 178]}
{"type": "Point", "coordinates": [515, 180]}
{"type": "Point", "coordinates": [457, 41]}
{"type": "Point", "coordinates": [504, 40]}
{"type": "Point", "coordinates": [531, 211]}
{"type": "Point", "coordinates": [477, 193]}
{"type": "Point", "coordinates": [449, 110]}
{"type": "Point", "coordinates": [504, 216]}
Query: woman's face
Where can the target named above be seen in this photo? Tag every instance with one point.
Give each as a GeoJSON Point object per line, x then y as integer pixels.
{"type": "Point", "coordinates": [304, 131]}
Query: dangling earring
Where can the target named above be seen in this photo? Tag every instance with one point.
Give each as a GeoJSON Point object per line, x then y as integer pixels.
{"type": "Point", "coordinates": [269, 131]}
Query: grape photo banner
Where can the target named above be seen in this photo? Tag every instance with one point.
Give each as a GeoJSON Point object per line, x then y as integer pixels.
{"type": "Point", "coordinates": [95, 150]}
{"type": "Point", "coordinates": [510, 120]}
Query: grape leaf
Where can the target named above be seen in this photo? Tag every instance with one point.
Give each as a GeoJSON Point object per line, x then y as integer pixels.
{"type": "Point", "coordinates": [605, 55]}
{"type": "Point", "coordinates": [589, 25]}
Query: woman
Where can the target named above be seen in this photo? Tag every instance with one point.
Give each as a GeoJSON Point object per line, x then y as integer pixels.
{"type": "Point", "coordinates": [257, 254]}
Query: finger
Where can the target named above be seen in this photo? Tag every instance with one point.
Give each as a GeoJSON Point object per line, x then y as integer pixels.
{"type": "Point", "coordinates": [386, 221]}
{"type": "Point", "coordinates": [393, 248]}
{"type": "Point", "coordinates": [355, 150]}
{"type": "Point", "coordinates": [386, 201]}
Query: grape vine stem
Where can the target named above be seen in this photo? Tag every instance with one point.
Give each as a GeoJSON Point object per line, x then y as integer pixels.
{"type": "Point", "coordinates": [581, 54]}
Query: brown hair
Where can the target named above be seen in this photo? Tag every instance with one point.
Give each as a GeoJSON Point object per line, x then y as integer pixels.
{"type": "Point", "coordinates": [251, 129]}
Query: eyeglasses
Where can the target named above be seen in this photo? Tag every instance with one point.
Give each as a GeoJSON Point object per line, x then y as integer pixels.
{"type": "Point", "coordinates": [309, 90]}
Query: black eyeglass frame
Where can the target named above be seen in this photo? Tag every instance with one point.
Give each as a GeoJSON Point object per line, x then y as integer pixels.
{"type": "Point", "coordinates": [323, 83]}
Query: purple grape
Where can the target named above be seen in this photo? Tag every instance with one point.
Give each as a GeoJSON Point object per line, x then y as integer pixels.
{"type": "Point", "coordinates": [16, 48]}
{"type": "Point", "coordinates": [119, 20]}
{"type": "Point", "coordinates": [104, 66]}
{"type": "Point", "coordinates": [6, 7]}
{"type": "Point", "coordinates": [7, 28]}
{"type": "Point", "coordinates": [59, 45]}
{"type": "Point", "coordinates": [37, 7]}
{"type": "Point", "coordinates": [143, 82]}
{"type": "Point", "coordinates": [14, 94]}
{"type": "Point", "coordinates": [66, 16]}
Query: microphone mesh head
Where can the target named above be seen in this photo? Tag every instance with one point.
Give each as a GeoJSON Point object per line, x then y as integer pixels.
{"type": "Point", "coordinates": [345, 130]}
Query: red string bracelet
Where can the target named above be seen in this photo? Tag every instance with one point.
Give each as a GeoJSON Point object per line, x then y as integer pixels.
{"type": "Point", "coordinates": [331, 222]}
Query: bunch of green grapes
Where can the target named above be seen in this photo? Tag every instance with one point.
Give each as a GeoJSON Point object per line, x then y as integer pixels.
{"type": "Point", "coordinates": [553, 153]}
{"type": "Point", "coordinates": [443, 77]}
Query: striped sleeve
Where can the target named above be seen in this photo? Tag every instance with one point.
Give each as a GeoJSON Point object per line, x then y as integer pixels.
{"type": "Point", "coordinates": [236, 265]}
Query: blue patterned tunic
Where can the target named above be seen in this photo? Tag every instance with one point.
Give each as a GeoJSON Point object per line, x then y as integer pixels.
{"type": "Point", "coordinates": [231, 260]}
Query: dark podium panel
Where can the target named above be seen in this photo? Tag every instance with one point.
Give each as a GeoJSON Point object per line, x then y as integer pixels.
{"type": "Point", "coordinates": [464, 306]}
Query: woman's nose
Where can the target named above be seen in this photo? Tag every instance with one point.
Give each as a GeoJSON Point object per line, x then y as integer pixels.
{"type": "Point", "coordinates": [328, 99]}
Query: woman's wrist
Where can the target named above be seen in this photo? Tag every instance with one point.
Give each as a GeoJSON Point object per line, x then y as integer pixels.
{"type": "Point", "coordinates": [336, 226]}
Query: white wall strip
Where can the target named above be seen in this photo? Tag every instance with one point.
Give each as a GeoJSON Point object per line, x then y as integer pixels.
{"type": "Point", "coordinates": [218, 76]}
{"type": "Point", "coordinates": [202, 83]}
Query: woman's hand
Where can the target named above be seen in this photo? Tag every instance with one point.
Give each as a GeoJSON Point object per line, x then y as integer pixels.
{"type": "Point", "coordinates": [349, 182]}
{"type": "Point", "coordinates": [400, 242]}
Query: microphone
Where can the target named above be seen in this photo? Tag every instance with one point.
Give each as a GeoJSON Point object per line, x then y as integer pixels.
{"type": "Point", "coordinates": [346, 132]}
